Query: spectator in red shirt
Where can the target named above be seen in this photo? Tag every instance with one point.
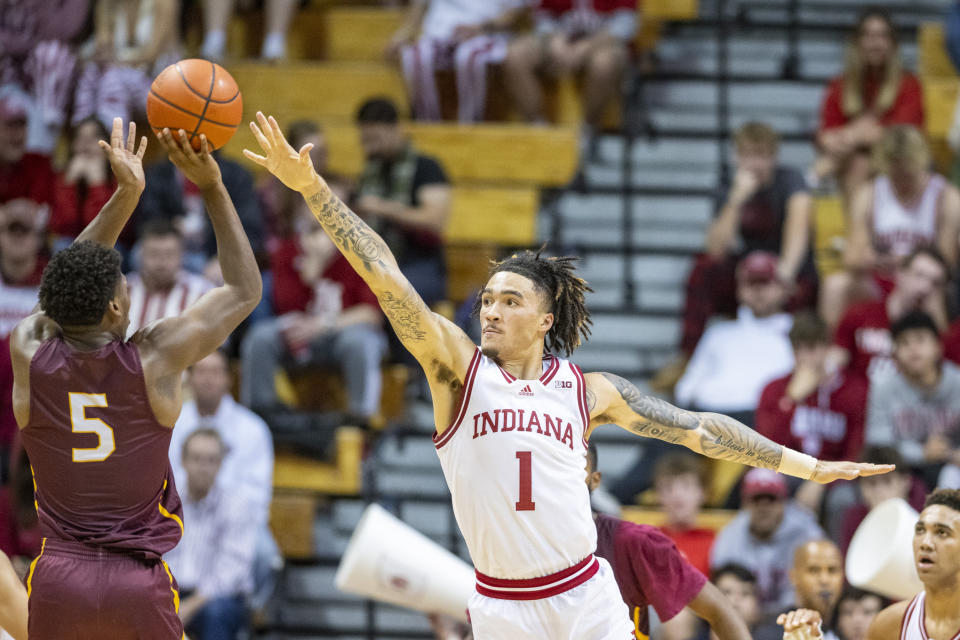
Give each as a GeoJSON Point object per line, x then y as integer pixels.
{"type": "Point", "coordinates": [326, 316]}
{"type": "Point", "coordinates": [862, 341]}
{"type": "Point", "coordinates": [873, 92]}
{"type": "Point", "coordinates": [651, 571]}
{"type": "Point", "coordinates": [905, 207]}
{"type": "Point", "coordinates": [572, 36]}
{"type": "Point", "coordinates": [811, 409]}
{"type": "Point", "coordinates": [680, 481]}
{"type": "Point", "coordinates": [22, 174]}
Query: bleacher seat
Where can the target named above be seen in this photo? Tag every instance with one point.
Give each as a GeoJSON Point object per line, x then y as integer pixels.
{"type": "Point", "coordinates": [715, 519]}
{"type": "Point", "coordinates": [933, 61]}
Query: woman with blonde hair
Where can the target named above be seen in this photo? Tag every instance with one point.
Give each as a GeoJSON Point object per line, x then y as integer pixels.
{"type": "Point", "coordinates": [905, 207]}
{"type": "Point", "coordinates": [873, 92]}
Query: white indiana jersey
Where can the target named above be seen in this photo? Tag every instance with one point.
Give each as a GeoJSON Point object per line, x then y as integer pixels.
{"type": "Point", "coordinates": [514, 457]}
{"type": "Point", "coordinates": [913, 626]}
{"type": "Point", "coordinates": [444, 16]}
{"type": "Point", "coordinates": [898, 230]}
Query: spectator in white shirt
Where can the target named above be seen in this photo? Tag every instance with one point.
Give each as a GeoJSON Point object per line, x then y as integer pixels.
{"type": "Point", "coordinates": [162, 288]}
{"type": "Point", "coordinates": [735, 359]}
{"type": "Point", "coordinates": [214, 561]}
{"type": "Point", "coordinates": [248, 460]}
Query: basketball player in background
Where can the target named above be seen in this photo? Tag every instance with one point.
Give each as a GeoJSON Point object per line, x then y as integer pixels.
{"type": "Point", "coordinates": [934, 613]}
{"type": "Point", "coordinates": [96, 412]}
{"type": "Point", "coordinates": [512, 423]}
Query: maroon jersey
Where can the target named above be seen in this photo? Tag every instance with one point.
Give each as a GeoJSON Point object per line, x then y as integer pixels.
{"type": "Point", "coordinates": [649, 570]}
{"type": "Point", "coordinates": [864, 331]}
{"type": "Point", "coordinates": [98, 454]}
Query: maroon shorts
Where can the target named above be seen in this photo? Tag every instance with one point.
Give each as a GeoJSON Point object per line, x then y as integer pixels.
{"type": "Point", "coordinates": [79, 592]}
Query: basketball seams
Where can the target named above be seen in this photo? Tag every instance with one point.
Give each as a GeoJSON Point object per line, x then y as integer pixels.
{"type": "Point", "coordinates": [188, 112]}
{"type": "Point", "coordinates": [208, 98]}
{"type": "Point", "coordinates": [206, 105]}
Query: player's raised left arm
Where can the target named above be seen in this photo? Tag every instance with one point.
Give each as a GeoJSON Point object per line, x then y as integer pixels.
{"type": "Point", "coordinates": [126, 162]}
{"type": "Point", "coordinates": [613, 400]}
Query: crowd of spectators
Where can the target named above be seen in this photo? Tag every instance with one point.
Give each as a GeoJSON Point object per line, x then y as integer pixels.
{"type": "Point", "coordinates": [854, 364]}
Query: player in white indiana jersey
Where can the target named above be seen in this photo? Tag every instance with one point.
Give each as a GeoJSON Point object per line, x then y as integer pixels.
{"type": "Point", "coordinates": [512, 423]}
{"type": "Point", "coordinates": [934, 614]}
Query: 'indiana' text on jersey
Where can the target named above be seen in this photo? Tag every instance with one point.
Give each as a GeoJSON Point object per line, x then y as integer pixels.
{"type": "Point", "coordinates": [505, 420]}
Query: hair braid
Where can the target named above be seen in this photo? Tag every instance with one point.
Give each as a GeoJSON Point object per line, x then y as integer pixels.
{"type": "Point", "coordinates": [555, 277]}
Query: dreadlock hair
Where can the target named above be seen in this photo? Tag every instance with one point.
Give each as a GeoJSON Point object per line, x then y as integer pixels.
{"type": "Point", "coordinates": [79, 283]}
{"type": "Point", "coordinates": [556, 280]}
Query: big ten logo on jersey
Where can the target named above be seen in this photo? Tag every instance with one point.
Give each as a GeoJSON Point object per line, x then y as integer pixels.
{"type": "Point", "coordinates": [563, 384]}
{"type": "Point", "coordinates": [522, 421]}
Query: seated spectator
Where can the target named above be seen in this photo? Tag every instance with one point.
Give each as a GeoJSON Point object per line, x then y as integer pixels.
{"type": "Point", "coordinates": [874, 92]}
{"type": "Point", "coordinates": [817, 577]}
{"type": "Point", "coordinates": [907, 206]}
{"type": "Point", "coordinates": [170, 196]}
{"type": "Point", "coordinates": [590, 38]}
{"type": "Point", "coordinates": [84, 186]}
{"type": "Point", "coordinates": [767, 208]}
{"type": "Point", "coordinates": [764, 536]}
{"type": "Point", "coordinates": [439, 35]}
{"type": "Point", "coordinates": [326, 316]}
{"type": "Point", "coordinates": [856, 609]}
{"type": "Point", "coordinates": [21, 263]}
{"type": "Point", "coordinates": [22, 174]}
{"type": "Point", "coordinates": [917, 407]}
{"type": "Point", "coordinates": [812, 410]}
{"type": "Point", "coordinates": [281, 206]}
{"type": "Point", "coordinates": [862, 341]}
{"type": "Point", "coordinates": [737, 358]}
{"type": "Point", "coordinates": [216, 21]}
{"type": "Point", "coordinates": [739, 586]}
{"type": "Point", "coordinates": [162, 288]}
{"type": "Point", "coordinates": [247, 466]}
{"type": "Point", "coordinates": [405, 197]}
{"type": "Point", "coordinates": [214, 560]}
{"type": "Point", "coordinates": [876, 489]}
{"type": "Point", "coordinates": [680, 480]}
{"type": "Point", "coordinates": [133, 42]}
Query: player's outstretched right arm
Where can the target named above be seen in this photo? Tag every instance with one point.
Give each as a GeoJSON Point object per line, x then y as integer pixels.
{"type": "Point", "coordinates": [13, 601]}
{"type": "Point", "coordinates": [434, 341]}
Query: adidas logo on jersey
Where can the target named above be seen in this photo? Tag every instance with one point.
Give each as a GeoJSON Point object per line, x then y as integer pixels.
{"type": "Point", "coordinates": [526, 391]}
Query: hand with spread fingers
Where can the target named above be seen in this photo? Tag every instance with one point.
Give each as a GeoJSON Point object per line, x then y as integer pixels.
{"type": "Point", "coordinates": [293, 168]}
{"type": "Point", "coordinates": [801, 624]}
{"type": "Point", "coordinates": [828, 471]}
{"type": "Point", "coordinates": [199, 167]}
{"type": "Point", "coordinates": [125, 161]}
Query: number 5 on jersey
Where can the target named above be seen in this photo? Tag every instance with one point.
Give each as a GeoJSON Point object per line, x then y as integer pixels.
{"type": "Point", "coordinates": [80, 423]}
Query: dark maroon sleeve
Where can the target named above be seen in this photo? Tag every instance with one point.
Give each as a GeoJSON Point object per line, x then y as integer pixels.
{"type": "Point", "coordinates": [668, 581]}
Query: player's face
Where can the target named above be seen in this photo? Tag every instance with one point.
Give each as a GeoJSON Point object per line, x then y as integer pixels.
{"type": "Point", "coordinates": [819, 577]}
{"type": "Point", "coordinates": [743, 597]}
{"type": "Point", "coordinates": [681, 497]}
{"type": "Point", "coordinates": [512, 317]}
{"type": "Point", "coordinates": [855, 616]}
{"type": "Point", "coordinates": [917, 353]}
{"type": "Point", "coordinates": [161, 260]}
{"type": "Point", "coordinates": [936, 545]}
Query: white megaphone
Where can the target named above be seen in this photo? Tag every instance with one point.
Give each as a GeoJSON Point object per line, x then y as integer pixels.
{"type": "Point", "coordinates": [388, 560]}
{"type": "Point", "coordinates": [880, 557]}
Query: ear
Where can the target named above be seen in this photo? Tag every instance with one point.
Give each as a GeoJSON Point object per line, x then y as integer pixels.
{"type": "Point", "coordinates": [546, 322]}
{"type": "Point", "coordinates": [113, 307]}
{"type": "Point", "coordinates": [593, 481]}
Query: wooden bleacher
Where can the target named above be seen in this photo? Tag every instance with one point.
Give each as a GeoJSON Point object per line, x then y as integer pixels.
{"type": "Point", "coordinates": [941, 86]}
{"type": "Point", "coordinates": [715, 519]}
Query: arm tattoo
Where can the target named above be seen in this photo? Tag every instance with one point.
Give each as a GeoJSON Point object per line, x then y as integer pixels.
{"type": "Point", "coordinates": [591, 401]}
{"type": "Point", "coordinates": [720, 436]}
{"type": "Point", "coordinates": [406, 315]}
{"type": "Point", "coordinates": [346, 229]}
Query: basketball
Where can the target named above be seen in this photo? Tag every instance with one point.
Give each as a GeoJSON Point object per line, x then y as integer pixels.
{"type": "Point", "coordinates": [197, 96]}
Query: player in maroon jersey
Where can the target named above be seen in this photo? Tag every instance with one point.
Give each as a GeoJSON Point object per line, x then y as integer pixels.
{"type": "Point", "coordinates": [96, 413]}
{"type": "Point", "coordinates": [650, 570]}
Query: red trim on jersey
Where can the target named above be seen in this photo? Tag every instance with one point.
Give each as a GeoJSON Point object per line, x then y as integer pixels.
{"type": "Point", "coordinates": [538, 588]}
{"type": "Point", "coordinates": [551, 370]}
{"type": "Point", "coordinates": [582, 400]}
{"type": "Point", "coordinates": [907, 615]}
{"type": "Point", "coordinates": [461, 408]}
{"type": "Point", "coordinates": [922, 621]}
{"type": "Point", "coordinates": [509, 377]}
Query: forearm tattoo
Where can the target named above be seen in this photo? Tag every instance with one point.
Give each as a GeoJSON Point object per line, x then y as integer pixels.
{"type": "Point", "coordinates": [717, 436]}
{"type": "Point", "coordinates": [406, 315]}
{"type": "Point", "coordinates": [347, 230]}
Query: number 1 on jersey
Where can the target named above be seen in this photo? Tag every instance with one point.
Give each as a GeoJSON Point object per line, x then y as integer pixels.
{"type": "Point", "coordinates": [80, 423]}
{"type": "Point", "coordinates": [526, 502]}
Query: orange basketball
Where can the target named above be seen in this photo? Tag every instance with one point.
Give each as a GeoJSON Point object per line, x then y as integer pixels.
{"type": "Point", "coordinates": [197, 96]}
